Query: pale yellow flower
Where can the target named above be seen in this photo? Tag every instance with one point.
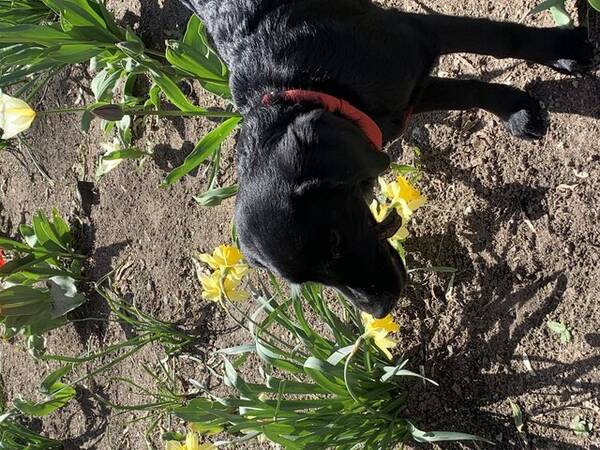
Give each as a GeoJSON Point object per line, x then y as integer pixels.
{"type": "Point", "coordinates": [191, 443]}
{"type": "Point", "coordinates": [379, 210]}
{"type": "Point", "coordinates": [217, 287]}
{"type": "Point", "coordinates": [16, 116]}
{"type": "Point", "coordinates": [403, 196]}
{"type": "Point", "coordinates": [378, 329]}
{"type": "Point", "coordinates": [226, 257]}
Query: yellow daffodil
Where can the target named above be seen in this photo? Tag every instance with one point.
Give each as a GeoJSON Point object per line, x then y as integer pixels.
{"type": "Point", "coordinates": [226, 257]}
{"type": "Point", "coordinates": [16, 116]}
{"type": "Point", "coordinates": [378, 329]}
{"type": "Point", "coordinates": [191, 443]}
{"type": "Point", "coordinates": [217, 287]}
{"type": "Point", "coordinates": [403, 196]}
{"type": "Point", "coordinates": [379, 210]}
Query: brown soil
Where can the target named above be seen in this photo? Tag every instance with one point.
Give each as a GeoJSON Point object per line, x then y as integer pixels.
{"type": "Point", "coordinates": [519, 220]}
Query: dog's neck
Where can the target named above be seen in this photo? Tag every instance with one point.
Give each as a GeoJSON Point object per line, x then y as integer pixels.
{"type": "Point", "coordinates": [333, 105]}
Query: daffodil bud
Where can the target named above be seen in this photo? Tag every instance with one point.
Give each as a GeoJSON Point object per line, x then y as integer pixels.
{"type": "Point", "coordinates": [110, 112]}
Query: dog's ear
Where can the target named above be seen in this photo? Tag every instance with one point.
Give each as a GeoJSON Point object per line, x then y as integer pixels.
{"type": "Point", "coordinates": [335, 151]}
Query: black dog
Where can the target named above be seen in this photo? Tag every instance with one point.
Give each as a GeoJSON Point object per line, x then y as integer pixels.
{"type": "Point", "coordinates": [304, 165]}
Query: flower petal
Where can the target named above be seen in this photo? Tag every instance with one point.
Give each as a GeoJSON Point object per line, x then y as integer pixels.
{"type": "Point", "coordinates": [173, 445]}
{"type": "Point", "coordinates": [16, 116]}
{"type": "Point", "coordinates": [191, 441]}
{"type": "Point", "coordinates": [384, 343]}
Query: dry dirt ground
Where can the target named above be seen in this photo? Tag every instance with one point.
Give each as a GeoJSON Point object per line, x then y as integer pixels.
{"type": "Point", "coordinates": [519, 220]}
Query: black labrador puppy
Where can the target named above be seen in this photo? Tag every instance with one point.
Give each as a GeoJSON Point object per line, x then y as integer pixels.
{"type": "Point", "coordinates": [320, 83]}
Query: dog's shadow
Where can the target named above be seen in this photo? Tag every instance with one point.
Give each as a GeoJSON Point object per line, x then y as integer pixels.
{"type": "Point", "coordinates": [477, 359]}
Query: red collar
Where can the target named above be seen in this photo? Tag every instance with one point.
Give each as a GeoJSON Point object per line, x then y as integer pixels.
{"type": "Point", "coordinates": [334, 105]}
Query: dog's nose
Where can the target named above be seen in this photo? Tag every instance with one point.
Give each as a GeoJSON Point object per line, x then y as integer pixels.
{"type": "Point", "coordinates": [381, 310]}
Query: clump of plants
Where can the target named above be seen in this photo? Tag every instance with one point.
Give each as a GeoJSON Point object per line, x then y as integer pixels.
{"type": "Point", "coordinates": [38, 280]}
{"type": "Point", "coordinates": [39, 38]}
{"type": "Point", "coordinates": [328, 377]}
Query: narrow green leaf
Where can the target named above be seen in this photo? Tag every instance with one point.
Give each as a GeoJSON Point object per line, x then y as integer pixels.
{"type": "Point", "coordinates": [545, 5]}
{"type": "Point", "coordinates": [327, 376]}
{"type": "Point", "coordinates": [439, 436]}
{"type": "Point", "coordinates": [203, 150]}
{"type": "Point", "coordinates": [517, 416]}
{"type": "Point", "coordinates": [399, 372]}
{"type": "Point", "coordinates": [60, 395]}
{"type": "Point", "coordinates": [215, 197]}
{"type": "Point", "coordinates": [9, 244]}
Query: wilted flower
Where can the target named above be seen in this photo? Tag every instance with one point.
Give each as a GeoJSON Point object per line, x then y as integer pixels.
{"type": "Point", "coordinates": [226, 258]}
{"type": "Point", "coordinates": [191, 443]}
{"type": "Point", "coordinates": [218, 286]}
{"type": "Point", "coordinates": [16, 116]}
{"type": "Point", "coordinates": [378, 329]}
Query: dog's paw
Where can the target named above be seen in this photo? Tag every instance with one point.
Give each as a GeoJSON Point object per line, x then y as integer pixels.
{"type": "Point", "coordinates": [528, 123]}
{"type": "Point", "coordinates": [574, 52]}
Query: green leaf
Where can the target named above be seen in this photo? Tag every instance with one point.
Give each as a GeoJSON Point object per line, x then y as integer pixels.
{"type": "Point", "coordinates": [440, 436]}
{"type": "Point", "coordinates": [23, 301]}
{"type": "Point", "coordinates": [28, 235]}
{"type": "Point", "coordinates": [114, 156]}
{"type": "Point", "coordinates": [327, 376]}
{"type": "Point", "coordinates": [65, 297]}
{"type": "Point", "coordinates": [203, 150]}
{"type": "Point", "coordinates": [192, 32]}
{"type": "Point", "coordinates": [104, 82]}
{"type": "Point", "coordinates": [238, 350]}
{"type": "Point", "coordinates": [46, 233]}
{"type": "Point", "coordinates": [233, 379]}
{"type": "Point", "coordinates": [207, 68]}
{"type": "Point", "coordinates": [18, 264]}
{"type": "Point", "coordinates": [340, 354]}
{"type": "Point", "coordinates": [50, 381]}
{"type": "Point", "coordinates": [269, 354]}
{"type": "Point", "coordinates": [293, 387]}
{"type": "Point", "coordinates": [562, 330]}
{"type": "Point", "coordinates": [59, 395]}
{"type": "Point", "coordinates": [166, 83]}
{"type": "Point", "coordinates": [62, 228]}
{"type": "Point", "coordinates": [9, 244]}
{"type": "Point", "coordinates": [561, 16]}
{"type": "Point", "coordinates": [595, 4]}
{"type": "Point", "coordinates": [215, 197]}
{"type": "Point", "coordinates": [404, 169]}
{"type": "Point", "coordinates": [581, 427]}
{"type": "Point", "coordinates": [398, 371]}
{"type": "Point", "coordinates": [517, 416]}
{"type": "Point", "coordinates": [546, 5]}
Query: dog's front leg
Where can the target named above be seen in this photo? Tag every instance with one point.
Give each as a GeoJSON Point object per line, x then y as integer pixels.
{"type": "Point", "coordinates": [564, 50]}
{"type": "Point", "coordinates": [521, 113]}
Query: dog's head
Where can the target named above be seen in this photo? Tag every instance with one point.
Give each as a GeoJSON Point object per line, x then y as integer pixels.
{"type": "Point", "coordinates": [302, 212]}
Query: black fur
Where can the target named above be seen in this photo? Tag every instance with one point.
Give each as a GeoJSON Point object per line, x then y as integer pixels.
{"type": "Point", "coordinates": [303, 172]}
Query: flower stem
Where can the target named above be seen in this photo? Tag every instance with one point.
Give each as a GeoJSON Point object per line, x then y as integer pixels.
{"type": "Point", "coordinates": [159, 113]}
{"type": "Point", "coordinates": [48, 112]}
